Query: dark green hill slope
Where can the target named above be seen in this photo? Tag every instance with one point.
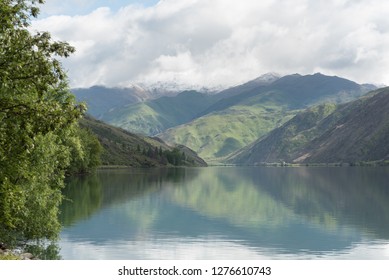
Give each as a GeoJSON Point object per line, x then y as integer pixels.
{"type": "Point", "coordinates": [122, 148]}
{"type": "Point", "coordinates": [348, 133]}
{"type": "Point", "coordinates": [360, 134]}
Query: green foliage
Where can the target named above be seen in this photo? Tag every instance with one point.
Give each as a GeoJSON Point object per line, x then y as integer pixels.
{"type": "Point", "coordinates": [37, 117]}
{"type": "Point", "coordinates": [85, 151]}
{"type": "Point", "coordinates": [30, 189]}
{"type": "Point", "coordinates": [173, 157]}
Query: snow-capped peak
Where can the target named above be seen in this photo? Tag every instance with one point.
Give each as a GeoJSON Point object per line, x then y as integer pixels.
{"type": "Point", "coordinates": [171, 88]}
{"type": "Point", "coordinates": [267, 78]}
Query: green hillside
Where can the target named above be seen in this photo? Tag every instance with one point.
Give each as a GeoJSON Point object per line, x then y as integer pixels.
{"type": "Point", "coordinates": [280, 143]}
{"type": "Point", "coordinates": [122, 148]}
{"type": "Point", "coordinates": [219, 134]}
{"type": "Point", "coordinates": [154, 116]}
{"type": "Point", "coordinates": [240, 119]}
{"type": "Point", "coordinates": [350, 133]}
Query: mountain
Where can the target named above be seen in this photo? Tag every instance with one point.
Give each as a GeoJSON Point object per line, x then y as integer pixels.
{"type": "Point", "coordinates": [215, 125]}
{"type": "Point", "coordinates": [101, 99]}
{"type": "Point", "coordinates": [122, 148]}
{"type": "Point", "coordinates": [154, 116]}
{"type": "Point", "coordinates": [354, 132]}
{"type": "Point", "coordinates": [248, 112]}
{"type": "Point", "coordinates": [263, 80]}
{"type": "Point", "coordinates": [294, 91]}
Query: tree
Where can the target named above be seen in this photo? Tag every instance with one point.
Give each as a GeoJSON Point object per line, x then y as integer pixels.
{"type": "Point", "coordinates": [37, 116]}
{"type": "Point", "coordinates": [85, 151]}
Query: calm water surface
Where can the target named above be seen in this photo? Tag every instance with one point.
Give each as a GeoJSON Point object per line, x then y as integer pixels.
{"type": "Point", "coordinates": [228, 213]}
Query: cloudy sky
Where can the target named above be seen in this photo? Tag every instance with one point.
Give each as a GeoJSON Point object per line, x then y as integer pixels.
{"type": "Point", "coordinates": [219, 42]}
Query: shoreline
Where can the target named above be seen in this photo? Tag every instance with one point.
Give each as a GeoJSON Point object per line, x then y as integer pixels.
{"type": "Point", "coordinates": [7, 254]}
{"type": "Point", "coordinates": [264, 164]}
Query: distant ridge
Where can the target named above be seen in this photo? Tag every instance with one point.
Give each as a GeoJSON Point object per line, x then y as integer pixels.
{"type": "Point", "coordinates": [100, 99]}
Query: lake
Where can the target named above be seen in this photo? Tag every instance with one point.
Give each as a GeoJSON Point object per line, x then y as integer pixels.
{"type": "Point", "coordinates": [227, 213]}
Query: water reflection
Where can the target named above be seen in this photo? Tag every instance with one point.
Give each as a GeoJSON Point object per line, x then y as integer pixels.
{"type": "Point", "coordinates": [225, 212]}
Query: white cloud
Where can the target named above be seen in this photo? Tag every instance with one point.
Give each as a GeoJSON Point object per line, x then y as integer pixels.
{"type": "Point", "coordinates": [225, 41]}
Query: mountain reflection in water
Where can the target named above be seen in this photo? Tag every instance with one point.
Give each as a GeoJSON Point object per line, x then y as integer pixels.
{"type": "Point", "coordinates": [228, 213]}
